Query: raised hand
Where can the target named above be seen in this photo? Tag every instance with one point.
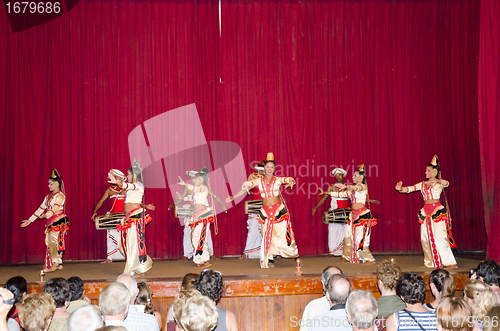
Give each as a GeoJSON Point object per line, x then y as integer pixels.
{"type": "Point", "coordinates": [228, 200]}
{"type": "Point", "coordinates": [399, 186]}
{"type": "Point", "coordinates": [25, 223]}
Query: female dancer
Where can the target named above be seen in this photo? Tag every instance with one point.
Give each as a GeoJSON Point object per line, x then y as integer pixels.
{"type": "Point", "coordinates": [132, 228]}
{"type": "Point", "coordinates": [202, 217]}
{"type": "Point", "coordinates": [57, 224]}
{"type": "Point", "coordinates": [276, 229]}
{"type": "Point", "coordinates": [435, 234]}
{"type": "Point", "coordinates": [358, 231]}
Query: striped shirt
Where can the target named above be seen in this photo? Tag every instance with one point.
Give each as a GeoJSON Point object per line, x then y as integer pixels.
{"type": "Point", "coordinates": [428, 321]}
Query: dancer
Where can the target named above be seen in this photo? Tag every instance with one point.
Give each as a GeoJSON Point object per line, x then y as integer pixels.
{"type": "Point", "coordinates": [202, 217]}
{"type": "Point", "coordinates": [57, 224]}
{"type": "Point", "coordinates": [254, 237]}
{"type": "Point", "coordinates": [339, 206]}
{"type": "Point", "coordinates": [187, 195]}
{"type": "Point", "coordinates": [276, 228]}
{"type": "Point", "coordinates": [435, 233]}
{"type": "Point", "coordinates": [117, 196]}
{"type": "Point", "coordinates": [358, 231]}
{"type": "Point", "coordinates": [132, 242]}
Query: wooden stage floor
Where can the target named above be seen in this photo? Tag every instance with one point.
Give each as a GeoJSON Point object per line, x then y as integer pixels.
{"type": "Point", "coordinates": [231, 268]}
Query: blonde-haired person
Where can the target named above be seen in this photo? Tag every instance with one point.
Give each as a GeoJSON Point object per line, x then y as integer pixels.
{"type": "Point", "coordinates": [442, 285]}
{"type": "Point", "coordinates": [388, 275]}
{"type": "Point", "coordinates": [491, 320]}
{"type": "Point", "coordinates": [36, 311]}
{"type": "Point", "coordinates": [198, 313]}
{"type": "Point", "coordinates": [454, 314]}
{"type": "Point", "coordinates": [480, 298]}
{"type": "Point", "coordinates": [143, 300]}
{"type": "Point", "coordinates": [187, 284]}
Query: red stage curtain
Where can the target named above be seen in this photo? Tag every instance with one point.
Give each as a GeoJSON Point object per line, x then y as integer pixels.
{"type": "Point", "coordinates": [319, 83]}
{"type": "Point", "coordinates": [489, 110]}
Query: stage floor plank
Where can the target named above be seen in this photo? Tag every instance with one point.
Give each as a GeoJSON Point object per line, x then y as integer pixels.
{"type": "Point", "coordinates": [231, 268]}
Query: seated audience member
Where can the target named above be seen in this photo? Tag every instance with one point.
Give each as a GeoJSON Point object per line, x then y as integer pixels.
{"type": "Point", "coordinates": [112, 328]}
{"type": "Point", "coordinates": [453, 314]}
{"type": "Point", "coordinates": [441, 285]}
{"type": "Point", "coordinates": [60, 291]}
{"type": "Point", "coordinates": [36, 311]}
{"type": "Point", "coordinates": [19, 287]}
{"type": "Point", "coordinates": [388, 275]}
{"type": "Point", "coordinates": [480, 298]}
{"type": "Point", "coordinates": [187, 283]}
{"type": "Point", "coordinates": [198, 313]}
{"type": "Point", "coordinates": [136, 320]}
{"type": "Point", "coordinates": [319, 306]}
{"type": "Point", "coordinates": [114, 302]}
{"type": "Point", "coordinates": [338, 289]}
{"type": "Point", "coordinates": [210, 284]}
{"type": "Point", "coordinates": [180, 298]}
{"type": "Point", "coordinates": [416, 316]}
{"type": "Point", "coordinates": [361, 309]}
{"type": "Point", "coordinates": [6, 303]}
{"type": "Point", "coordinates": [489, 273]}
{"type": "Point", "coordinates": [143, 302]}
{"type": "Point", "coordinates": [492, 319]}
{"type": "Point", "coordinates": [78, 298]}
{"type": "Point", "coordinates": [85, 318]}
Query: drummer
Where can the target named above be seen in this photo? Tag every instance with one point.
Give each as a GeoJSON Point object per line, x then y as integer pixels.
{"type": "Point", "coordinates": [187, 195]}
{"type": "Point", "coordinates": [117, 196]}
{"type": "Point", "coordinates": [254, 237]}
{"type": "Point", "coordinates": [336, 231]}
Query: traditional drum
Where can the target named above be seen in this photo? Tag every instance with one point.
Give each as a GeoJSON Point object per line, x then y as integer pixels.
{"type": "Point", "coordinates": [339, 215]}
{"type": "Point", "coordinates": [252, 206]}
{"type": "Point", "coordinates": [183, 211]}
{"type": "Point", "coordinates": [108, 221]}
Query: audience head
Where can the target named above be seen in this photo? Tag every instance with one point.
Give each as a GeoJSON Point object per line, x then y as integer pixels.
{"type": "Point", "coordinates": [388, 275]}
{"type": "Point", "coordinates": [144, 297]}
{"type": "Point", "coordinates": [411, 288]}
{"type": "Point", "coordinates": [198, 313]}
{"type": "Point", "coordinates": [85, 318]}
{"type": "Point", "coordinates": [77, 288]}
{"type": "Point", "coordinates": [189, 280]}
{"type": "Point", "coordinates": [210, 284]}
{"type": "Point", "coordinates": [180, 299]}
{"type": "Point", "coordinates": [338, 290]}
{"type": "Point", "coordinates": [454, 314]}
{"type": "Point", "coordinates": [36, 311]}
{"type": "Point", "coordinates": [441, 281]}
{"type": "Point", "coordinates": [60, 291]}
{"type": "Point", "coordinates": [492, 318]}
{"type": "Point", "coordinates": [19, 287]}
{"type": "Point", "coordinates": [114, 300]}
{"type": "Point", "coordinates": [130, 282]}
{"type": "Point", "coordinates": [489, 272]}
{"type": "Point", "coordinates": [479, 296]}
{"type": "Point", "coordinates": [327, 273]}
{"type": "Point", "coordinates": [361, 308]}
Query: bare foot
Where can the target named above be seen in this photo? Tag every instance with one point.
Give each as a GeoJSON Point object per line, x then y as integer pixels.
{"type": "Point", "coordinates": [205, 265]}
{"type": "Point", "coordinates": [369, 263]}
{"type": "Point", "coordinates": [107, 261]}
{"type": "Point", "coordinates": [343, 260]}
{"type": "Point", "coordinates": [423, 266]}
{"type": "Point", "coordinates": [184, 258]}
{"type": "Point", "coordinates": [271, 265]}
{"type": "Point", "coordinates": [213, 257]}
{"type": "Point", "coordinates": [451, 267]}
{"type": "Point", "coordinates": [244, 256]}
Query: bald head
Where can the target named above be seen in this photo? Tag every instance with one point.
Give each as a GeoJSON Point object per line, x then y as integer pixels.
{"type": "Point", "coordinates": [130, 282]}
{"type": "Point", "coordinates": [338, 289]}
{"type": "Point", "coordinates": [327, 273]}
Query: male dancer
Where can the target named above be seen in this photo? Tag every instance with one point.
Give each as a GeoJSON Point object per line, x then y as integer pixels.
{"type": "Point", "coordinates": [336, 231]}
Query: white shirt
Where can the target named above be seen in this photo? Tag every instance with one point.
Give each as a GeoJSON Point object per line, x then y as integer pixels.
{"type": "Point", "coordinates": [314, 308]}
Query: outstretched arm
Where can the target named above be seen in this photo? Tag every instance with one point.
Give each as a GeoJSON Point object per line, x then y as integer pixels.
{"type": "Point", "coordinates": [37, 214]}
{"type": "Point", "coordinates": [323, 199]}
{"type": "Point", "coordinates": [100, 202]}
{"type": "Point", "coordinates": [218, 200]}
{"type": "Point", "coordinates": [407, 189]}
{"type": "Point", "coordinates": [236, 196]}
